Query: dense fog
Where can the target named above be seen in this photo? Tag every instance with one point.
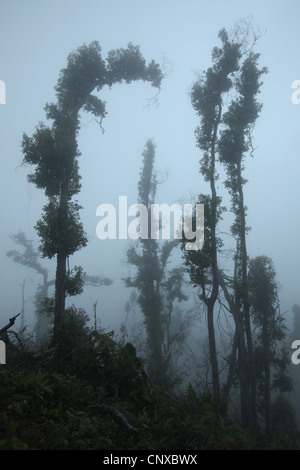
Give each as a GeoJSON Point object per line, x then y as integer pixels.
{"type": "Point", "coordinates": [36, 40]}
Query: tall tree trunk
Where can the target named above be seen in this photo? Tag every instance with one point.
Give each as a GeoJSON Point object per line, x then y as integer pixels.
{"type": "Point", "coordinates": [267, 388]}
{"type": "Point", "coordinates": [155, 337]}
{"type": "Point", "coordinates": [62, 254]}
{"type": "Point", "coordinates": [239, 345]}
{"type": "Point", "coordinates": [42, 318]}
{"type": "Point", "coordinates": [213, 355]}
{"type": "Point", "coordinates": [215, 283]}
{"type": "Point", "coordinates": [61, 266]}
{"type": "Point", "coordinates": [59, 309]}
{"type": "Point", "coordinates": [245, 301]}
{"type": "Point", "coordinates": [23, 307]}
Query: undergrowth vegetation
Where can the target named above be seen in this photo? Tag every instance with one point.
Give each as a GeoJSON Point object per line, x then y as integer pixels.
{"type": "Point", "coordinates": [98, 396]}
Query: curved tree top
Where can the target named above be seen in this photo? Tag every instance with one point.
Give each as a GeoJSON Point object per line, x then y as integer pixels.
{"type": "Point", "coordinates": [87, 71]}
{"type": "Point", "coordinates": [54, 150]}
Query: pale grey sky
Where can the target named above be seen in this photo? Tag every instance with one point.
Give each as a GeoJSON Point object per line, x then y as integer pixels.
{"type": "Point", "coordinates": [35, 40]}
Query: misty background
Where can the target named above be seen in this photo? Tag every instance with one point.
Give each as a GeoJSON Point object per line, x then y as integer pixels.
{"type": "Point", "coordinates": [36, 39]}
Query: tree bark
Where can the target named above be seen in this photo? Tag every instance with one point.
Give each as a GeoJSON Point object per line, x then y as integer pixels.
{"type": "Point", "coordinates": [239, 343]}
{"type": "Point", "coordinates": [59, 309]}
{"type": "Point", "coordinates": [245, 301]}
{"type": "Point", "coordinates": [214, 259]}
{"type": "Point", "coordinates": [42, 323]}
{"type": "Point", "coordinates": [267, 387]}
{"type": "Point", "coordinates": [61, 260]}
{"type": "Point", "coordinates": [213, 355]}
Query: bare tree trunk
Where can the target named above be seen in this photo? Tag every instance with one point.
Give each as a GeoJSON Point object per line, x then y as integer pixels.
{"type": "Point", "coordinates": [213, 355]}
{"type": "Point", "coordinates": [245, 301]}
{"type": "Point", "coordinates": [215, 283]}
{"type": "Point", "coordinates": [42, 326]}
{"type": "Point", "coordinates": [61, 266]}
{"type": "Point", "coordinates": [267, 387]}
{"type": "Point", "coordinates": [23, 306]}
{"type": "Point", "coordinates": [239, 344]}
{"type": "Point", "coordinates": [59, 309]}
{"type": "Point", "coordinates": [228, 383]}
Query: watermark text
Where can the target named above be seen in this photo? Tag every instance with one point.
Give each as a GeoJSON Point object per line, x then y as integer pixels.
{"type": "Point", "coordinates": [2, 92]}
{"type": "Point", "coordinates": [296, 354]}
{"type": "Point", "coordinates": [2, 352]}
{"type": "Point", "coordinates": [167, 221]}
{"type": "Point", "coordinates": [296, 93]}
{"type": "Point", "coordinates": [152, 459]}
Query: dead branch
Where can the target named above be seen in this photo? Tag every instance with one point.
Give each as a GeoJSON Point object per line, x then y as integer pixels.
{"type": "Point", "coordinates": [10, 324]}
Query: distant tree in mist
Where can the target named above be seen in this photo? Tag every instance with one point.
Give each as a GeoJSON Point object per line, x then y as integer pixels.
{"type": "Point", "coordinates": [158, 288]}
{"type": "Point", "coordinates": [149, 274]}
{"type": "Point", "coordinates": [53, 150]}
{"type": "Point", "coordinates": [295, 333]}
{"type": "Point", "coordinates": [76, 279]}
{"type": "Point", "coordinates": [172, 287]}
{"type": "Point", "coordinates": [31, 258]}
{"type": "Point", "coordinates": [271, 358]}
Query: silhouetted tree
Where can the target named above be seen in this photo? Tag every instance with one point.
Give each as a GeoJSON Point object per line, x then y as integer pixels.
{"type": "Point", "coordinates": [271, 359]}
{"type": "Point", "coordinates": [295, 333]}
{"type": "Point", "coordinates": [31, 258]}
{"type": "Point", "coordinates": [158, 288]}
{"type": "Point", "coordinates": [54, 150]}
{"type": "Point", "coordinates": [234, 143]}
{"type": "Point", "coordinates": [225, 99]}
{"type": "Point", "coordinates": [295, 368]}
{"type": "Point", "coordinates": [207, 96]}
{"type": "Point", "coordinates": [149, 274]}
{"type": "Point", "coordinates": [76, 279]}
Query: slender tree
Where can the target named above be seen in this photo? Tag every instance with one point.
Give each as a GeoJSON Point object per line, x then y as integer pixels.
{"type": "Point", "coordinates": [234, 143]}
{"type": "Point", "coordinates": [54, 150]}
{"type": "Point", "coordinates": [225, 99]}
{"type": "Point", "coordinates": [294, 368]}
{"type": "Point", "coordinates": [295, 333]}
{"type": "Point", "coordinates": [271, 360]}
{"type": "Point", "coordinates": [172, 291]}
{"type": "Point", "coordinates": [149, 273]}
{"type": "Point", "coordinates": [31, 258]}
{"type": "Point", "coordinates": [207, 99]}
{"type": "Point", "coordinates": [158, 287]}
{"type": "Point", "coordinates": [172, 288]}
